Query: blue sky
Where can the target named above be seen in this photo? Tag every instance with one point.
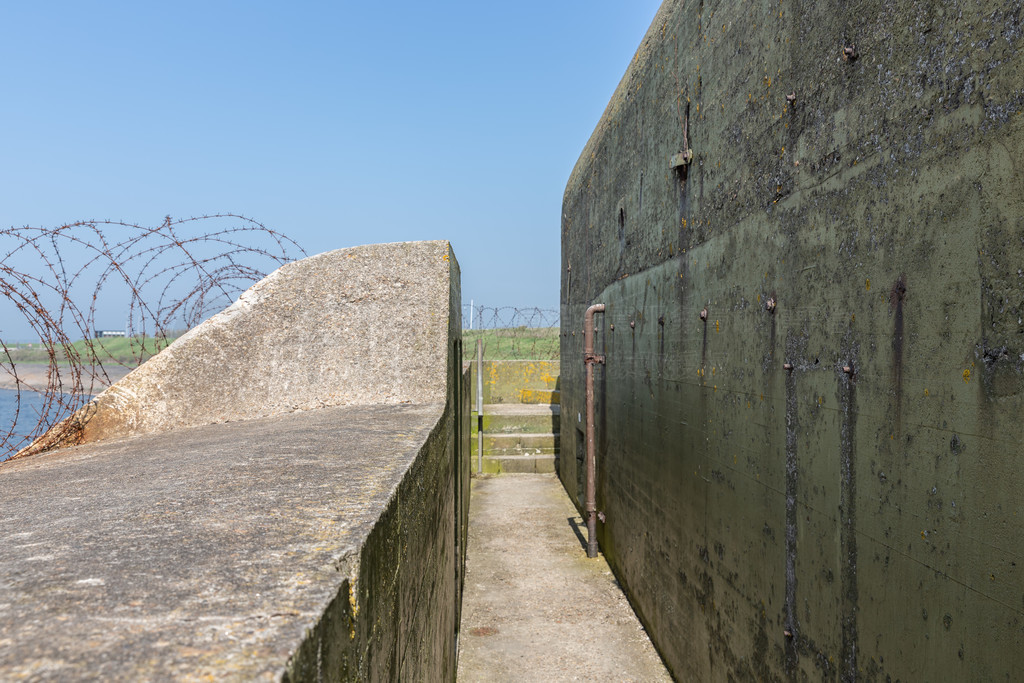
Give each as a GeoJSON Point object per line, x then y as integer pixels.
{"type": "Point", "coordinates": [335, 123]}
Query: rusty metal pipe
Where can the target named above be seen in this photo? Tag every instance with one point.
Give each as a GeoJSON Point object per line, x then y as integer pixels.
{"type": "Point", "coordinates": [590, 494]}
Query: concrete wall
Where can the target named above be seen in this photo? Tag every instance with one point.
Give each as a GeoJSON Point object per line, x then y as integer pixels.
{"type": "Point", "coordinates": [397, 616]}
{"type": "Point", "coordinates": [340, 328]}
{"type": "Point", "coordinates": [325, 543]}
{"type": "Point", "coordinates": [781, 524]}
{"type": "Point", "coordinates": [399, 620]}
{"type": "Point", "coordinates": [519, 381]}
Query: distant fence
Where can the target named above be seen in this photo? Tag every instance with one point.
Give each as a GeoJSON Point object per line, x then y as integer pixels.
{"type": "Point", "coordinates": [161, 279]}
{"type": "Point", "coordinates": [510, 333]}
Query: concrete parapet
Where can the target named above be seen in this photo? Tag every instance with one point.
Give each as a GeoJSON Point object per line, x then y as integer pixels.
{"type": "Point", "coordinates": [321, 544]}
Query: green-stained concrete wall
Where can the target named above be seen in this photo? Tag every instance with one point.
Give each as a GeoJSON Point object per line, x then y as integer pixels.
{"type": "Point", "coordinates": [829, 490]}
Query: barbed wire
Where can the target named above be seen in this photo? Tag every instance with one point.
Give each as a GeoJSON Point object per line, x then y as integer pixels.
{"type": "Point", "coordinates": [170, 277]}
{"type": "Point", "coordinates": [510, 333]}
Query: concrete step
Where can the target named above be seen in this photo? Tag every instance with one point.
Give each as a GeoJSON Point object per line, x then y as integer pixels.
{"type": "Point", "coordinates": [513, 418]}
{"type": "Point", "coordinates": [517, 444]}
{"type": "Point", "coordinates": [519, 464]}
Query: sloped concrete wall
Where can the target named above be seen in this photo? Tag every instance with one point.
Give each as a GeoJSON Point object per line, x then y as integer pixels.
{"type": "Point", "coordinates": [363, 325]}
{"type": "Point", "coordinates": [320, 543]}
{"type": "Point", "coordinates": [829, 489]}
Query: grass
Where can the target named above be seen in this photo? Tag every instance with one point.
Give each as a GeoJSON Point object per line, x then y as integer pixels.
{"type": "Point", "coordinates": [128, 351]}
{"type": "Point", "coordinates": [503, 343]}
{"type": "Point", "coordinates": [512, 343]}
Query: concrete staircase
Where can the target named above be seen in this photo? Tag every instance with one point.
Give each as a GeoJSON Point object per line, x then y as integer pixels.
{"type": "Point", "coordinates": [519, 437]}
{"type": "Point", "coordinates": [521, 433]}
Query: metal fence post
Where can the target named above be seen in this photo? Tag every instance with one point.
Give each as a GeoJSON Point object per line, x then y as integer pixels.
{"type": "Point", "coordinates": [479, 406]}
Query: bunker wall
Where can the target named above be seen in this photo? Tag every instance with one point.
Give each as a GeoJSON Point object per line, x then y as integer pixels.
{"type": "Point", "coordinates": [818, 476]}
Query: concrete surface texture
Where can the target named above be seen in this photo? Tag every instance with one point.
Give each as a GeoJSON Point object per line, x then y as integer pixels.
{"type": "Point", "coordinates": [212, 553]}
{"type": "Point", "coordinates": [520, 381]}
{"type": "Point", "coordinates": [322, 544]}
{"type": "Point", "coordinates": [364, 325]}
{"type": "Point", "coordinates": [536, 609]}
{"type": "Point", "coordinates": [808, 426]}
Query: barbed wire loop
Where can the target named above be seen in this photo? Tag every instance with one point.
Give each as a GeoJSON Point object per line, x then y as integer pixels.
{"type": "Point", "coordinates": [170, 277]}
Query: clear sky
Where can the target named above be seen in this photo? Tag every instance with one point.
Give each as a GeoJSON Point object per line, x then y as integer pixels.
{"type": "Point", "coordinates": [336, 123]}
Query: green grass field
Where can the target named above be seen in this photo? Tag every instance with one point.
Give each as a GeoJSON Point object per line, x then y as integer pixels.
{"type": "Point", "coordinates": [510, 343]}
{"type": "Point", "coordinates": [513, 343]}
{"type": "Point", "coordinates": [125, 351]}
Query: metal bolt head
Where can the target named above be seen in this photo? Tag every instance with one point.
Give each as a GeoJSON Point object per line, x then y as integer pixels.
{"type": "Point", "coordinates": [704, 314]}
{"type": "Point", "coordinates": [850, 52]}
{"type": "Point", "coordinates": [788, 367]}
{"type": "Point", "coordinates": [632, 324]}
{"type": "Point", "coordinates": [848, 370]}
{"type": "Point", "coordinates": [612, 326]}
{"type": "Point", "coordinates": [770, 305]}
{"type": "Point", "coordinates": [791, 97]}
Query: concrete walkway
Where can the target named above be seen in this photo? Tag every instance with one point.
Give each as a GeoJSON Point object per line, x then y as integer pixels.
{"type": "Point", "coordinates": [535, 608]}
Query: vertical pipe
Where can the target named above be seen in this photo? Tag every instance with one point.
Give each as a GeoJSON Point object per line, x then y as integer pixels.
{"type": "Point", "coordinates": [590, 493]}
{"type": "Point", "coordinates": [479, 406]}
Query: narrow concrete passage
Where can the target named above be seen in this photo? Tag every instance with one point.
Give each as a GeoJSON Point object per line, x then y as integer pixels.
{"type": "Point", "coordinates": [535, 608]}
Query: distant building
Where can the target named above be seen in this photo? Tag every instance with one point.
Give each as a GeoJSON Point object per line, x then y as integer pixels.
{"type": "Point", "coordinates": [102, 334]}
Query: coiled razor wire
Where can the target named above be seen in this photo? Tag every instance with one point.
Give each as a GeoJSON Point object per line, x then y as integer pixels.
{"type": "Point", "coordinates": [168, 279]}
{"type": "Point", "coordinates": [511, 333]}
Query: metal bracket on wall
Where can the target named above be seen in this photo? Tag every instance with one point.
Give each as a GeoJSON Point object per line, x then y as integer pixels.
{"type": "Point", "coordinates": [681, 159]}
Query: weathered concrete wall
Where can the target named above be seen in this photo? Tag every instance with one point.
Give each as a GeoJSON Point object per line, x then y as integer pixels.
{"type": "Point", "coordinates": [813, 523]}
{"type": "Point", "coordinates": [322, 544]}
{"type": "Point", "coordinates": [520, 381]}
{"type": "Point", "coordinates": [397, 615]}
{"type": "Point", "coordinates": [334, 329]}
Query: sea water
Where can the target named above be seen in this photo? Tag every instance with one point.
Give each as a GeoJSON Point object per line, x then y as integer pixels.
{"type": "Point", "coordinates": [27, 413]}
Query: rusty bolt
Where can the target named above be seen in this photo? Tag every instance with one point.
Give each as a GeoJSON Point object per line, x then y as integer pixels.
{"type": "Point", "coordinates": [850, 52]}
{"type": "Point", "coordinates": [791, 97]}
{"type": "Point", "coordinates": [788, 367]}
{"type": "Point", "coordinates": [770, 305]}
{"type": "Point", "coordinates": [704, 314]}
{"type": "Point", "coordinates": [847, 369]}
{"type": "Point", "coordinates": [612, 326]}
